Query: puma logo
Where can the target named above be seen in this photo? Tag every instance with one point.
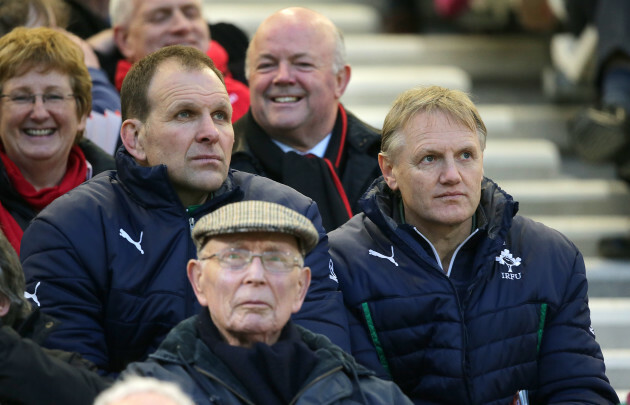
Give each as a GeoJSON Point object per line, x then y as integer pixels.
{"type": "Point", "coordinates": [133, 242]}
{"type": "Point", "coordinates": [33, 296]}
{"type": "Point", "coordinates": [390, 258]}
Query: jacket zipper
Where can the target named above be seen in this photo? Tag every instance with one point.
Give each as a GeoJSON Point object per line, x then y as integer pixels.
{"type": "Point", "coordinates": [321, 377]}
{"type": "Point", "coordinates": [213, 377]}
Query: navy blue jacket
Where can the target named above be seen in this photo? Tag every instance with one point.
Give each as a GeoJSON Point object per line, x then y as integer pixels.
{"type": "Point", "coordinates": [108, 260]}
{"type": "Point", "coordinates": [520, 322]}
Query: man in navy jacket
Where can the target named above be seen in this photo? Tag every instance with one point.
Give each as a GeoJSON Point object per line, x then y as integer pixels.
{"type": "Point", "coordinates": [106, 260]}
{"type": "Point", "coordinates": [449, 292]}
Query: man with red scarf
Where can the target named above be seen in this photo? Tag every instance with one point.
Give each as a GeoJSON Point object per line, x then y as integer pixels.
{"type": "Point", "coordinates": [297, 132]}
{"type": "Point", "coordinates": [144, 26]}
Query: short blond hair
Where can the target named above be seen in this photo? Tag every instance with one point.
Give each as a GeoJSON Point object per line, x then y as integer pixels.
{"type": "Point", "coordinates": [433, 99]}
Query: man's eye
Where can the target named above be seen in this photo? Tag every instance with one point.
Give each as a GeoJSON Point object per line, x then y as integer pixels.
{"type": "Point", "coordinates": [428, 159]}
{"type": "Point", "coordinates": [184, 114]}
{"type": "Point", "coordinates": [158, 16]}
{"type": "Point", "coordinates": [466, 155]}
{"type": "Point", "coordinates": [192, 12]}
{"type": "Point", "coordinates": [220, 116]}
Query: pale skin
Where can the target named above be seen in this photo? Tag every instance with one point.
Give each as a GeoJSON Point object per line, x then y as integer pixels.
{"type": "Point", "coordinates": [293, 88]}
{"type": "Point", "coordinates": [38, 138]}
{"type": "Point", "coordinates": [249, 305]}
{"type": "Point", "coordinates": [438, 168]}
{"type": "Point", "coordinates": [188, 129]}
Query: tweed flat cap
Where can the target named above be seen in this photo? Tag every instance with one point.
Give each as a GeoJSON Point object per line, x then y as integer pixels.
{"type": "Point", "coordinates": [256, 216]}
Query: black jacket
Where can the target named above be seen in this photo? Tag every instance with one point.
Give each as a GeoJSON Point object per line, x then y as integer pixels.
{"type": "Point", "coordinates": [31, 375]}
{"type": "Point", "coordinates": [352, 153]}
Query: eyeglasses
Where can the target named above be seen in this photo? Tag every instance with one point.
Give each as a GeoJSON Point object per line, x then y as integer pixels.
{"type": "Point", "coordinates": [50, 100]}
{"type": "Point", "coordinates": [237, 259]}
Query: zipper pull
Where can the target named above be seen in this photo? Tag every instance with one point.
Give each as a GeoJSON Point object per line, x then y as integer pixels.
{"type": "Point", "coordinates": [191, 221]}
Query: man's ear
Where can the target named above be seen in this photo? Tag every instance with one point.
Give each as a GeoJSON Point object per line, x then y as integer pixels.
{"type": "Point", "coordinates": [342, 79]}
{"type": "Point", "coordinates": [304, 281]}
{"type": "Point", "coordinates": [130, 134]}
{"type": "Point", "coordinates": [387, 169]}
{"type": "Point", "coordinates": [194, 272]}
{"type": "Point", "coordinates": [5, 305]}
{"type": "Point", "coordinates": [121, 39]}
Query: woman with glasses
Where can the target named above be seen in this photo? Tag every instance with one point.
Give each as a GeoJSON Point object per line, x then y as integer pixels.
{"type": "Point", "coordinates": [45, 98]}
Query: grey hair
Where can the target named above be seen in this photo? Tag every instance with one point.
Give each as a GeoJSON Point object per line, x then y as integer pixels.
{"type": "Point", "coordinates": [133, 385]}
{"type": "Point", "coordinates": [121, 11]}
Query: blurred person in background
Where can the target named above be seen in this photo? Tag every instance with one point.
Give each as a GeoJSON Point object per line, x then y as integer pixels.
{"type": "Point", "coordinates": [144, 26]}
{"type": "Point", "coordinates": [44, 103]}
{"type": "Point", "coordinates": [297, 132]}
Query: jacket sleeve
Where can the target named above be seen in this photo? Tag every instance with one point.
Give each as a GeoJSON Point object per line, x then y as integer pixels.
{"type": "Point", "coordinates": [323, 311]}
{"type": "Point", "coordinates": [571, 367]}
{"type": "Point", "coordinates": [24, 365]}
{"type": "Point", "coordinates": [104, 94]}
{"type": "Point", "coordinates": [66, 278]}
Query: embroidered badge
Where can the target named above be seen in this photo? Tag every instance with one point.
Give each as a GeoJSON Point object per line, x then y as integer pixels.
{"type": "Point", "coordinates": [506, 258]}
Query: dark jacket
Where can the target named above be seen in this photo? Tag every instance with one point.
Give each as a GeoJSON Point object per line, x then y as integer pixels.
{"type": "Point", "coordinates": [336, 378]}
{"type": "Point", "coordinates": [352, 152]}
{"type": "Point", "coordinates": [111, 257]}
{"type": "Point", "coordinates": [20, 210]}
{"type": "Point", "coordinates": [31, 375]}
{"type": "Point", "coordinates": [521, 322]}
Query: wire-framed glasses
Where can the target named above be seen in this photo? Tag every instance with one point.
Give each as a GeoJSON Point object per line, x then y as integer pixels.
{"type": "Point", "coordinates": [238, 259]}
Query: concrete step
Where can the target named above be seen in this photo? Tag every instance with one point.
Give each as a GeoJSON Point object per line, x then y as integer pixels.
{"type": "Point", "coordinates": [350, 18]}
{"type": "Point", "coordinates": [562, 196]}
{"type": "Point", "coordinates": [481, 56]}
{"type": "Point", "coordinates": [380, 85]}
{"type": "Point", "coordinates": [610, 318]}
{"type": "Point", "coordinates": [510, 159]}
{"type": "Point", "coordinates": [587, 230]}
{"type": "Point", "coordinates": [608, 278]}
{"type": "Point", "coordinates": [531, 121]}
{"type": "Point", "coordinates": [618, 368]}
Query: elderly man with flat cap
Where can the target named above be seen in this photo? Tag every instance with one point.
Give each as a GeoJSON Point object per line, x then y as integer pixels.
{"type": "Point", "coordinates": [242, 347]}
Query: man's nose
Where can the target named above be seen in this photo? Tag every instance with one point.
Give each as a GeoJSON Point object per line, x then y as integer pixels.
{"type": "Point", "coordinates": [208, 131]}
{"type": "Point", "coordinates": [284, 73]}
{"type": "Point", "coordinates": [255, 271]}
{"type": "Point", "coordinates": [179, 21]}
{"type": "Point", "coordinates": [450, 171]}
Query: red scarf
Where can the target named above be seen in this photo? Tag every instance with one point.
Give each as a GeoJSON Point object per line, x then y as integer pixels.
{"type": "Point", "coordinates": [76, 173]}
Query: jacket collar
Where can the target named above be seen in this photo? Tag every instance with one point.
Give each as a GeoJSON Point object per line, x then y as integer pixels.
{"type": "Point", "coordinates": [152, 188]}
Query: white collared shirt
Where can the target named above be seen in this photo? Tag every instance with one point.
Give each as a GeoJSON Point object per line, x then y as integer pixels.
{"type": "Point", "coordinates": [318, 150]}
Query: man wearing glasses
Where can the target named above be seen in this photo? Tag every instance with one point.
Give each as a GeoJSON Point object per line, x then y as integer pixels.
{"type": "Point", "coordinates": [242, 347]}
